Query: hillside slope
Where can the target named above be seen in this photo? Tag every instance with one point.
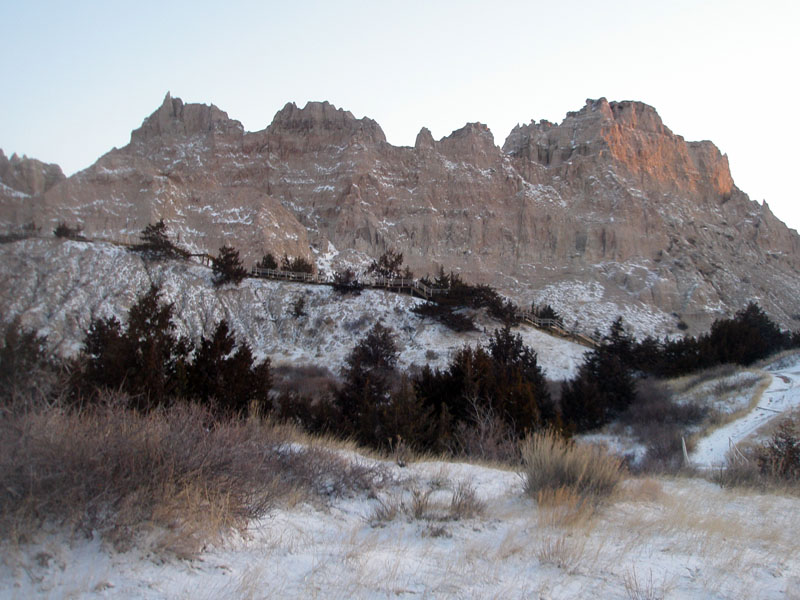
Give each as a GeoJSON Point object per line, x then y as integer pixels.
{"type": "Point", "coordinates": [59, 286]}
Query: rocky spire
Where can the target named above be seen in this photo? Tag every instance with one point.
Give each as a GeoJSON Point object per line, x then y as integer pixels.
{"type": "Point", "coordinates": [424, 140]}
{"type": "Point", "coordinates": [174, 117]}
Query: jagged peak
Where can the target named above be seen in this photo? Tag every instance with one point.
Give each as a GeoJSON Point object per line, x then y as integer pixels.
{"type": "Point", "coordinates": [590, 121]}
{"type": "Point", "coordinates": [324, 116]}
{"type": "Point", "coordinates": [28, 175]}
{"type": "Point", "coordinates": [625, 113]}
{"type": "Point", "coordinates": [472, 130]}
{"type": "Point", "coordinates": [424, 139]}
{"type": "Point", "coordinates": [174, 117]}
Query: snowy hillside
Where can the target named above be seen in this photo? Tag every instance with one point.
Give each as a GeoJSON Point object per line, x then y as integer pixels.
{"type": "Point", "coordinates": [59, 286]}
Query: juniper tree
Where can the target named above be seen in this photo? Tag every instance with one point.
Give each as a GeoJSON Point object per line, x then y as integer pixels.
{"type": "Point", "coordinates": [155, 243]}
{"type": "Point", "coordinates": [367, 375]}
{"type": "Point", "coordinates": [23, 358]}
{"type": "Point", "coordinates": [226, 374]}
{"type": "Point", "coordinates": [296, 265]}
{"type": "Point", "coordinates": [389, 265]}
{"type": "Point", "coordinates": [227, 267]}
{"type": "Point", "coordinates": [145, 359]}
{"type": "Point", "coordinates": [268, 262]}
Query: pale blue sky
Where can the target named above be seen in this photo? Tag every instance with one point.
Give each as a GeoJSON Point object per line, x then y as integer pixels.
{"type": "Point", "coordinates": [78, 76]}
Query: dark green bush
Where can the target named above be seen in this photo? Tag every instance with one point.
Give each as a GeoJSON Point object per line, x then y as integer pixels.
{"type": "Point", "coordinates": [156, 245]}
{"type": "Point", "coordinates": [145, 359]}
{"type": "Point", "coordinates": [24, 358]}
{"type": "Point", "coordinates": [65, 231]}
{"type": "Point", "coordinates": [268, 262]}
{"type": "Point", "coordinates": [346, 282]}
{"type": "Point", "coordinates": [296, 265]}
{"type": "Point", "coordinates": [227, 267]}
{"type": "Point", "coordinates": [390, 266]}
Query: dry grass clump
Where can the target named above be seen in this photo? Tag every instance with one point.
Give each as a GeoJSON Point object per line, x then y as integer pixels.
{"type": "Point", "coordinates": [423, 506]}
{"type": "Point", "coordinates": [551, 462]}
{"type": "Point", "coordinates": [645, 490]}
{"type": "Point", "coordinates": [562, 551]}
{"type": "Point", "coordinates": [687, 382]}
{"type": "Point", "coordinates": [465, 503]}
{"type": "Point", "coordinates": [563, 507]}
{"type": "Point", "coordinates": [642, 589]}
{"type": "Point", "coordinates": [175, 473]}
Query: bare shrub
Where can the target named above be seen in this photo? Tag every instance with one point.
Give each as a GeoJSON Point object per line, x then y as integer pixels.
{"type": "Point", "coordinates": [486, 436]}
{"type": "Point", "coordinates": [175, 471]}
{"type": "Point", "coordinates": [659, 422]}
{"type": "Point", "coordinates": [420, 507]}
{"type": "Point", "coordinates": [739, 474]}
{"type": "Point", "coordinates": [552, 462]}
{"type": "Point", "coordinates": [779, 458]}
{"type": "Point", "coordinates": [358, 323]}
{"type": "Point", "coordinates": [386, 511]}
{"type": "Point", "coordinates": [311, 381]}
{"type": "Point", "coordinates": [710, 374]}
{"type": "Point", "coordinates": [774, 464]}
{"type": "Point", "coordinates": [655, 404]}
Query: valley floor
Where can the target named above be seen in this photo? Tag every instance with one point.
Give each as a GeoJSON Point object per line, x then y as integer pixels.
{"type": "Point", "coordinates": [658, 538]}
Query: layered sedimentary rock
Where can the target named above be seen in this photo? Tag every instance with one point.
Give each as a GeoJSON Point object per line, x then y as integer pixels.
{"type": "Point", "coordinates": [608, 212]}
{"type": "Point", "coordinates": [21, 179]}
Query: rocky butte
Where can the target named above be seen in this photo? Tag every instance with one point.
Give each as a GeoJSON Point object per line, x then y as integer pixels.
{"type": "Point", "coordinates": [606, 213]}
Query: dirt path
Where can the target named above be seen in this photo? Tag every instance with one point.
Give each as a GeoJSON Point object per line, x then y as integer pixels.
{"type": "Point", "coordinates": [783, 394]}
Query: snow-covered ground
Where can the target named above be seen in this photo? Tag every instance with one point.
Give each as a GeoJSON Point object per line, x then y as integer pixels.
{"type": "Point", "coordinates": [683, 539]}
{"type": "Point", "coordinates": [783, 394]}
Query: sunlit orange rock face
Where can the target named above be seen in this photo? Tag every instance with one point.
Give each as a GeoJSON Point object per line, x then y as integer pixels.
{"type": "Point", "coordinates": [607, 211]}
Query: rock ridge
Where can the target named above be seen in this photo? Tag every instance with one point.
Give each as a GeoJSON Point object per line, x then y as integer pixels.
{"type": "Point", "coordinates": [607, 212]}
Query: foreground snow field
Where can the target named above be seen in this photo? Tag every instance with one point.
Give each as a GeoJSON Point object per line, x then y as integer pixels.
{"type": "Point", "coordinates": [675, 538]}
{"type": "Point", "coordinates": [658, 538]}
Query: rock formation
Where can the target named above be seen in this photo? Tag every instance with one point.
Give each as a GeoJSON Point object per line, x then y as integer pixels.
{"type": "Point", "coordinates": [607, 213]}
{"type": "Point", "coordinates": [20, 179]}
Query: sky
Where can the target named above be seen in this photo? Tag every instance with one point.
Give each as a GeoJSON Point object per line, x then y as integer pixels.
{"type": "Point", "coordinates": [78, 76]}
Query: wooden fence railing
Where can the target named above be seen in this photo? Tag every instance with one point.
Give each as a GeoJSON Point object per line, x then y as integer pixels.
{"type": "Point", "coordinates": [398, 284]}
{"type": "Point", "coordinates": [557, 327]}
{"type": "Point", "coordinates": [418, 288]}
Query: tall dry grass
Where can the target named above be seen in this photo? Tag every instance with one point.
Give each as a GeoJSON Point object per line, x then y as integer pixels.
{"type": "Point", "coordinates": [552, 463]}
{"type": "Point", "coordinates": [177, 473]}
